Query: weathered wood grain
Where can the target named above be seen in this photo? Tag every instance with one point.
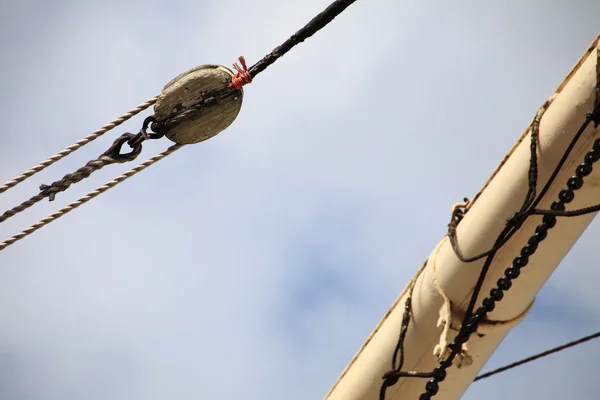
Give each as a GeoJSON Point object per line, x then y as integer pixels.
{"type": "Point", "coordinates": [187, 89]}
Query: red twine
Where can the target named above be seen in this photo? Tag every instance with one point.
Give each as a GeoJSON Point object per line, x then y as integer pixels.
{"type": "Point", "coordinates": [242, 76]}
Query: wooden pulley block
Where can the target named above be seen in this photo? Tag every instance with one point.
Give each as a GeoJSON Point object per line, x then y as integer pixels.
{"type": "Point", "coordinates": [189, 89]}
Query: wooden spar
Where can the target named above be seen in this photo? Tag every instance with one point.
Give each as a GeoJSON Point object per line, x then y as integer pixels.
{"type": "Point", "coordinates": [499, 198]}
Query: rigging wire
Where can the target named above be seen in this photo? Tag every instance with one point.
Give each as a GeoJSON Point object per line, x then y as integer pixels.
{"type": "Point", "coordinates": [538, 356]}
{"type": "Point", "coordinates": [111, 156]}
{"type": "Point", "coordinates": [79, 144]}
{"type": "Point", "coordinates": [471, 320]}
{"type": "Point", "coordinates": [98, 191]}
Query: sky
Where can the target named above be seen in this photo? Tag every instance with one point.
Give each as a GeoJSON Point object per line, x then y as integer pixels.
{"type": "Point", "coordinates": [257, 263]}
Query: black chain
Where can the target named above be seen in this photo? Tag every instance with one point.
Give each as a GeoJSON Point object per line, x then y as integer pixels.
{"type": "Point", "coordinates": [114, 155]}
{"type": "Point", "coordinates": [472, 320]}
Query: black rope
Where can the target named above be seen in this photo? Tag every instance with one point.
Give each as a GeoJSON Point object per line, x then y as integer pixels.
{"type": "Point", "coordinates": [160, 127]}
{"type": "Point", "coordinates": [472, 318]}
{"type": "Point", "coordinates": [391, 377]}
{"type": "Point", "coordinates": [211, 99]}
{"type": "Point", "coordinates": [315, 25]}
{"type": "Point", "coordinates": [538, 356]}
{"type": "Point", "coordinates": [514, 221]}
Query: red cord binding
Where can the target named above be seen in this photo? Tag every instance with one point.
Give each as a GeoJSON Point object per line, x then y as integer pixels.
{"type": "Point", "coordinates": [242, 76]}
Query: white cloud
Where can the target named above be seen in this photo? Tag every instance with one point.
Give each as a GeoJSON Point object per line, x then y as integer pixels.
{"type": "Point", "coordinates": [259, 261]}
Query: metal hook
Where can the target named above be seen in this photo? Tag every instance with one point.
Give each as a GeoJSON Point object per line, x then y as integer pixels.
{"type": "Point", "coordinates": [150, 122]}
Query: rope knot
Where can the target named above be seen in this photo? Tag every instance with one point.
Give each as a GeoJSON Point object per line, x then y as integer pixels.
{"type": "Point", "coordinates": [242, 76]}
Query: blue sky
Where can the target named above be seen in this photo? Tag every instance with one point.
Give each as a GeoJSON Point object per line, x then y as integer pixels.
{"type": "Point", "coordinates": [259, 261]}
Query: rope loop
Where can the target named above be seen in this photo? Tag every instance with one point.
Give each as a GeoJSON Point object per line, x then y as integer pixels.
{"type": "Point", "coordinates": [114, 151]}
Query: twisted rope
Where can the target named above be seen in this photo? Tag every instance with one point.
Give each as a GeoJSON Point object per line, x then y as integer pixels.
{"type": "Point", "coordinates": [88, 197]}
{"type": "Point", "coordinates": [539, 355]}
{"type": "Point", "coordinates": [61, 185]}
{"type": "Point", "coordinates": [77, 145]}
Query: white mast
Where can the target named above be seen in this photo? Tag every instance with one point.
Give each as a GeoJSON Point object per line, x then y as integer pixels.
{"type": "Point", "coordinates": [444, 275]}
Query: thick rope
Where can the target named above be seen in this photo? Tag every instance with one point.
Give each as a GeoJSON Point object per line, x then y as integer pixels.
{"type": "Point", "coordinates": [312, 27]}
{"type": "Point", "coordinates": [244, 75]}
{"type": "Point", "coordinates": [22, 207]}
{"type": "Point", "coordinates": [88, 197]}
{"type": "Point", "coordinates": [241, 78]}
{"type": "Point", "coordinates": [77, 145]}
{"type": "Point", "coordinates": [59, 186]}
{"type": "Point", "coordinates": [111, 156]}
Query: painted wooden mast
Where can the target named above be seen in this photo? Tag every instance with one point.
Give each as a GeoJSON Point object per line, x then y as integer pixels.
{"type": "Point", "coordinates": [445, 275]}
